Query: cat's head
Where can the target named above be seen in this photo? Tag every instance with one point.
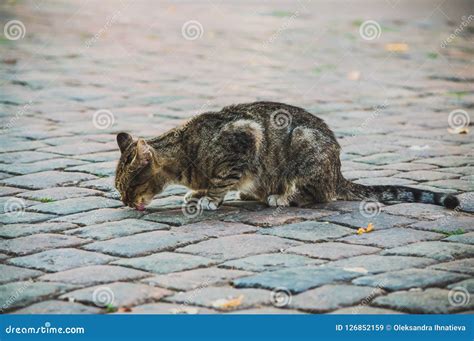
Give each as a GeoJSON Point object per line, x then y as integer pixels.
{"type": "Point", "coordinates": [137, 176]}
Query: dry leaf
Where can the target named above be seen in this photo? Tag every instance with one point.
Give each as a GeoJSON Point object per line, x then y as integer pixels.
{"type": "Point", "coordinates": [396, 47]}
{"type": "Point", "coordinates": [369, 228]}
{"type": "Point", "coordinates": [228, 303]}
{"type": "Point", "coordinates": [460, 130]}
{"type": "Point", "coordinates": [361, 230]}
{"type": "Point", "coordinates": [124, 310]}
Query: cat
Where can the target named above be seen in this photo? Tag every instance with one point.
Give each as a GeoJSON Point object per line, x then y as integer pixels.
{"type": "Point", "coordinates": [270, 152]}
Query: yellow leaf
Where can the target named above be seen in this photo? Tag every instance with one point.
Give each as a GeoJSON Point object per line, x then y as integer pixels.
{"type": "Point", "coordinates": [361, 230]}
{"type": "Point", "coordinates": [369, 228]}
{"type": "Point", "coordinates": [228, 303]}
{"type": "Point", "coordinates": [396, 47]}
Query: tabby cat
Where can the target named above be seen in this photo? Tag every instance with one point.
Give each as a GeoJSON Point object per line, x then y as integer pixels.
{"type": "Point", "coordinates": [270, 152]}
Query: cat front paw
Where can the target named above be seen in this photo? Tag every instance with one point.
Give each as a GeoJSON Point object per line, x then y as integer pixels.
{"type": "Point", "coordinates": [193, 195]}
{"type": "Point", "coordinates": [275, 200]}
{"type": "Point", "coordinates": [208, 204]}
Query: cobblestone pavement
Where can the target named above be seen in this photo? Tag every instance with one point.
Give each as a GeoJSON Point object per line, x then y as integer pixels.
{"type": "Point", "coordinates": [76, 73]}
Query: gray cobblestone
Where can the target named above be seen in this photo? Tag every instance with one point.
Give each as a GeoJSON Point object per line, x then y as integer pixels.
{"type": "Point", "coordinates": [12, 273]}
{"type": "Point", "coordinates": [270, 262]}
{"type": "Point", "coordinates": [309, 231]}
{"type": "Point", "coordinates": [441, 251]}
{"type": "Point", "coordinates": [61, 259]}
{"type": "Point", "coordinates": [38, 242]}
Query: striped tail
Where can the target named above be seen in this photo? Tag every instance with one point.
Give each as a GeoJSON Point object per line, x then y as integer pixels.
{"type": "Point", "coordinates": [352, 191]}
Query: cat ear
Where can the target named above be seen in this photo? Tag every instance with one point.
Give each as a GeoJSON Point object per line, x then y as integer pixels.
{"type": "Point", "coordinates": [124, 140]}
{"type": "Point", "coordinates": [144, 154]}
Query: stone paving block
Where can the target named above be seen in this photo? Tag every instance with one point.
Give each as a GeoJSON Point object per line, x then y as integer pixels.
{"type": "Point", "coordinates": [75, 205]}
{"type": "Point", "coordinates": [57, 307]}
{"type": "Point", "coordinates": [427, 175]}
{"type": "Point", "coordinates": [418, 211]}
{"type": "Point", "coordinates": [5, 190]}
{"type": "Point", "coordinates": [466, 238]}
{"type": "Point", "coordinates": [38, 242]}
{"type": "Point", "coordinates": [409, 166]}
{"type": "Point", "coordinates": [238, 246]}
{"type": "Point", "coordinates": [12, 273]}
{"type": "Point", "coordinates": [296, 280]}
{"type": "Point", "coordinates": [59, 193]}
{"type": "Point", "coordinates": [25, 157]}
{"type": "Point", "coordinates": [177, 218]}
{"type": "Point", "coordinates": [20, 294]}
{"type": "Point", "coordinates": [391, 237]}
{"type": "Point", "coordinates": [376, 263]}
{"type": "Point", "coordinates": [270, 262]}
{"type": "Point", "coordinates": [448, 161]}
{"type": "Point", "coordinates": [40, 166]}
{"type": "Point", "coordinates": [309, 231]}
{"type": "Point", "coordinates": [99, 168]}
{"type": "Point", "coordinates": [467, 284]}
{"type": "Point", "coordinates": [47, 179]}
{"type": "Point", "coordinates": [14, 146]}
{"type": "Point", "coordinates": [462, 266]}
{"type": "Point", "coordinates": [170, 309]}
{"type": "Point", "coordinates": [100, 216]}
{"type": "Point", "coordinates": [170, 202]}
{"type": "Point", "coordinates": [384, 181]}
{"type": "Point", "coordinates": [3, 256]}
{"type": "Point", "coordinates": [24, 217]}
{"type": "Point", "coordinates": [278, 216]}
{"type": "Point", "coordinates": [14, 206]}
{"type": "Point", "coordinates": [380, 220]}
{"type": "Point", "coordinates": [95, 274]}
{"type": "Point", "coordinates": [102, 184]}
{"type": "Point", "coordinates": [20, 230]}
{"type": "Point", "coordinates": [364, 310]}
{"type": "Point", "coordinates": [409, 278]}
{"type": "Point", "coordinates": [100, 157]}
{"type": "Point", "coordinates": [266, 311]}
{"type": "Point", "coordinates": [332, 250]}
{"type": "Point", "coordinates": [384, 158]}
{"type": "Point", "coordinates": [441, 251]}
{"type": "Point", "coordinates": [215, 228]}
{"type": "Point", "coordinates": [144, 243]}
{"type": "Point", "coordinates": [330, 297]}
{"type": "Point", "coordinates": [457, 184]}
{"type": "Point", "coordinates": [117, 229]}
{"type": "Point", "coordinates": [79, 148]}
{"type": "Point", "coordinates": [210, 297]}
{"type": "Point", "coordinates": [165, 262]}
{"type": "Point", "coordinates": [429, 301]}
{"type": "Point", "coordinates": [447, 225]}
{"type": "Point", "coordinates": [194, 279]}
{"type": "Point", "coordinates": [61, 259]}
{"type": "Point", "coordinates": [117, 294]}
{"type": "Point", "coordinates": [354, 175]}
{"type": "Point", "coordinates": [467, 170]}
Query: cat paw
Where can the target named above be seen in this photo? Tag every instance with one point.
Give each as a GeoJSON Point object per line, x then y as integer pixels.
{"type": "Point", "coordinates": [206, 203]}
{"type": "Point", "coordinates": [193, 195]}
{"type": "Point", "coordinates": [275, 200]}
